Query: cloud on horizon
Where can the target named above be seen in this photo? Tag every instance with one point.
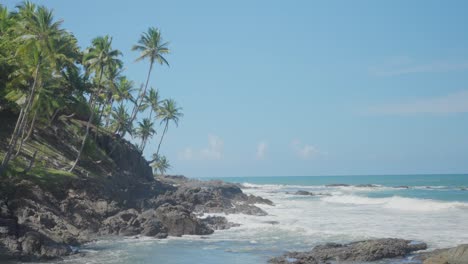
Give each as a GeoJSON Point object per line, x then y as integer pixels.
{"type": "Point", "coordinates": [304, 151]}
{"type": "Point", "coordinates": [404, 65]}
{"type": "Point", "coordinates": [214, 150]}
{"type": "Point", "coordinates": [262, 147]}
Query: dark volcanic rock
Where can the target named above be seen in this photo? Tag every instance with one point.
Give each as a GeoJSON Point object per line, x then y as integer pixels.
{"type": "Point", "coordinates": [301, 192]}
{"type": "Point", "coordinates": [211, 197]}
{"type": "Point", "coordinates": [367, 185]}
{"type": "Point", "coordinates": [368, 250]}
{"type": "Point", "coordinates": [402, 187]}
{"type": "Point", "coordinates": [337, 185]}
{"type": "Point", "coordinates": [180, 221]}
{"type": "Point", "coordinates": [41, 216]}
{"type": "Point", "coordinates": [456, 255]}
{"type": "Point", "coordinates": [218, 223]}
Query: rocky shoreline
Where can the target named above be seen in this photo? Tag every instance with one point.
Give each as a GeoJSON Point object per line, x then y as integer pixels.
{"type": "Point", "coordinates": [38, 224]}
{"type": "Point", "coordinates": [375, 250]}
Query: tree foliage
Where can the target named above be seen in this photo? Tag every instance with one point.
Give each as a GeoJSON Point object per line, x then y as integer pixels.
{"type": "Point", "coordinates": [44, 74]}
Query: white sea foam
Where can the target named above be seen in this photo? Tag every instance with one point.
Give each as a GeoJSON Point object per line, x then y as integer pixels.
{"type": "Point", "coordinates": [299, 222]}
{"type": "Point", "coordinates": [396, 202]}
{"type": "Point", "coordinates": [349, 215]}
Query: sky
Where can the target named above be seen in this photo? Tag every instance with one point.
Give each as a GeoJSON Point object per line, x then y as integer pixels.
{"type": "Point", "coordinates": [278, 88]}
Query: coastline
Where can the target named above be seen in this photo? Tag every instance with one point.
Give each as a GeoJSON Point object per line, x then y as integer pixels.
{"type": "Point", "coordinates": [196, 202]}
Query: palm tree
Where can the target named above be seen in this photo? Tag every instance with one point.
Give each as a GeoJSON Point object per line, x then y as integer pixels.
{"type": "Point", "coordinates": [168, 112]}
{"type": "Point", "coordinates": [160, 163]}
{"type": "Point", "coordinates": [152, 99]}
{"type": "Point", "coordinates": [151, 46]}
{"type": "Point", "coordinates": [112, 81]}
{"type": "Point", "coordinates": [145, 131]}
{"type": "Point", "coordinates": [124, 90]}
{"type": "Point", "coordinates": [98, 58]}
{"type": "Point", "coordinates": [37, 31]}
{"type": "Point", "coordinates": [121, 120]}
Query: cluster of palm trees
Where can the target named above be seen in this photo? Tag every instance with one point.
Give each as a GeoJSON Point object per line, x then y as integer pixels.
{"type": "Point", "coordinates": [43, 73]}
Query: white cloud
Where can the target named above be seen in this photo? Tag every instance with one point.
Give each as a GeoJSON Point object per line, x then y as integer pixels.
{"type": "Point", "coordinates": [452, 103]}
{"type": "Point", "coordinates": [405, 65]}
{"type": "Point", "coordinates": [214, 150]}
{"type": "Point", "coordinates": [304, 151]}
{"type": "Point", "coordinates": [261, 150]}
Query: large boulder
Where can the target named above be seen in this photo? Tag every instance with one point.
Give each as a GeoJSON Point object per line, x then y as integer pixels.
{"type": "Point", "coordinates": [456, 255]}
{"type": "Point", "coordinates": [361, 251]}
{"type": "Point", "coordinates": [130, 223]}
{"type": "Point", "coordinates": [218, 223]}
{"type": "Point", "coordinates": [179, 221]}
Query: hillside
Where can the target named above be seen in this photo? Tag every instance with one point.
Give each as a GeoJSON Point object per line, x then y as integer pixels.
{"type": "Point", "coordinates": [47, 212]}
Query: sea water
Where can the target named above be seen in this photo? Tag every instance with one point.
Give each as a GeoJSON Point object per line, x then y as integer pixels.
{"type": "Point", "coordinates": [429, 208]}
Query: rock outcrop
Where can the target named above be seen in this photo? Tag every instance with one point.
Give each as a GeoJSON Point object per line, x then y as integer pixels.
{"type": "Point", "coordinates": [361, 251]}
{"type": "Point", "coordinates": [456, 255]}
{"type": "Point", "coordinates": [38, 222]}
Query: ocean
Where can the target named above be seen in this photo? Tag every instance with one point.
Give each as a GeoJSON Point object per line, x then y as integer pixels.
{"type": "Point", "coordinates": [429, 208]}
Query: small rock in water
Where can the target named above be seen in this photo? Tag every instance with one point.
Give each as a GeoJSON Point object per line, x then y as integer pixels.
{"type": "Point", "coordinates": [367, 185]}
{"type": "Point", "coordinates": [338, 185]}
{"type": "Point", "coordinates": [361, 251]}
{"type": "Point", "coordinates": [402, 187]}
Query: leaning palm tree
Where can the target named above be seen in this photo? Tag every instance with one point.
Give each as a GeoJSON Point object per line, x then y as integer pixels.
{"type": "Point", "coordinates": [153, 101]}
{"type": "Point", "coordinates": [97, 59]}
{"type": "Point", "coordinates": [121, 120]}
{"type": "Point", "coordinates": [37, 31]}
{"type": "Point", "coordinates": [168, 112]}
{"type": "Point", "coordinates": [145, 131]}
{"type": "Point", "coordinates": [151, 46]}
{"type": "Point", "coordinates": [160, 163]}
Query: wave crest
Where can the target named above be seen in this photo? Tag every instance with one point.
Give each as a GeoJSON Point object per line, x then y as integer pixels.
{"type": "Point", "coordinates": [397, 202]}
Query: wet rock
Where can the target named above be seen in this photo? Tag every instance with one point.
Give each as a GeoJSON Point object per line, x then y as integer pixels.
{"type": "Point", "coordinates": [361, 251]}
{"type": "Point", "coordinates": [218, 223]}
{"type": "Point", "coordinates": [367, 185]}
{"type": "Point", "coordinates": [301, 192]}
{"type": "Point", "coordinates": [456, 255]}
{"type": "Point", "coordinates": [35, 245]}
{"type": "Point", "coordinates": [307, 193]}
{"type": "Point", "coordinates": [179, 221]}
{"type": "Point", "coordinates": [402, 187]}
{"type": "Point", "coordinates": [337, 185]}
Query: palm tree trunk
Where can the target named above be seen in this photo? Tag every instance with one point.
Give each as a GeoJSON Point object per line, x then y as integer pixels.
{"type": "Point", "coordinates": [21, 121]}
{"type": "Point", "coordinates": [87, 124]}
{"type": "Point", "coordinates": [162, 136]}
{"type": "Point", "coordinates": [141, 96]}
{"type": "Point", "coordinates": [33, 122]}
{"type": "Point", "coordinates": [54, 116]}
{"type": "Point", "coordinates": [23, 138]}
{"type": "Point", "coordinates": [109, 114]}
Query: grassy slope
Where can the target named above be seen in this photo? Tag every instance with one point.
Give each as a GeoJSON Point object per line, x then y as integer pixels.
{"type": "Point", "coordinates": [56, 148]}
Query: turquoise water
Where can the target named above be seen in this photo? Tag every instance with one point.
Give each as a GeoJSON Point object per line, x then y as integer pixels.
{"type": "Point", "coordinates": [433, 209]}
{"type": "Point", "coordinates": [445, 187]}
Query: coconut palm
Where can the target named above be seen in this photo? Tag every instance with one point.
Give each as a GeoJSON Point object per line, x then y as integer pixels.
{"type": "Point", "coordinates": [144, 131]}
{"type": "Point", "coordinates": [37, 33]}
{"type": "Point", "coordinates": [153, 101]}
{"type": "Point", "coordinates": [152, 47]}
{"type": "Point", "coordinates": [97, 59]}
{"type": "Point", "coordinates": [124, 90]}
{"type": "Point", "coordinates": [121, 120]}
{"type": "Point", "coordinates": [160, 163]}
{"type": "Point", "coordinates": [169, 111]}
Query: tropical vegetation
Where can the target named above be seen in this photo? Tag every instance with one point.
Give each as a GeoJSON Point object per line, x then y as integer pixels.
{"type": "Point", "coordinates": [44, 74]}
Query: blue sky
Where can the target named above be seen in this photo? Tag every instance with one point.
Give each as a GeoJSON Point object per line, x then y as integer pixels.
{"type": "Point", "coordinates": [300, 87]}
